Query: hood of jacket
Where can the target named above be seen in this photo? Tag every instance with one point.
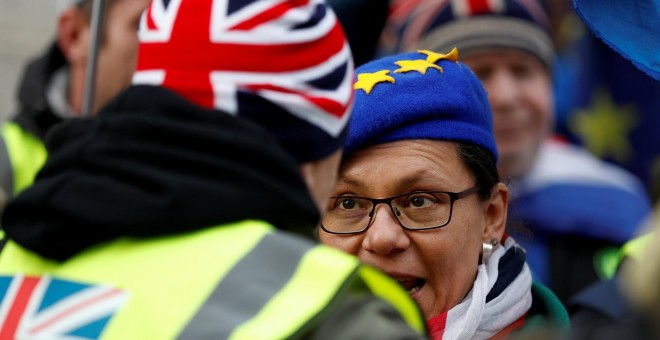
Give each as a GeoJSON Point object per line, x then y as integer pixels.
{"type": "Point", "coordinates": [153, 164]}
{"type": "Point", "coordinates": [35, 114]}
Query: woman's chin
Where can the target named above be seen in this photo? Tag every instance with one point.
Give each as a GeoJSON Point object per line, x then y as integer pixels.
{"type": "Point", "coordinates": [423, 299]}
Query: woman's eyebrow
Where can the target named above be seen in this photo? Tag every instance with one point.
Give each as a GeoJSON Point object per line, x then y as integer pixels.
{"type": "Point", "coordinates": [423, 177]}
{"type": "Point", "coordinates": [348, 181]}
{"type": "Point", "coordinates": [409, 180]}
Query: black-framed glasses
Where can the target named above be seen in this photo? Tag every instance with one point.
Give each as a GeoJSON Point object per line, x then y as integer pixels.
{"type": "Point", "coordinates": [421, 210]}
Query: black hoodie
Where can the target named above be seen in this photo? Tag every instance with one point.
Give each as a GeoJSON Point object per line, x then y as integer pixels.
{"type": "Point", "coordinates": [152, 164]}
{"type": "Point", "coordinates": [35, 114]}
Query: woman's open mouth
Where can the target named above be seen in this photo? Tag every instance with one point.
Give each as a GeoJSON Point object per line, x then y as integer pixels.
{"type": "Point", "coordinates": [412, 285]}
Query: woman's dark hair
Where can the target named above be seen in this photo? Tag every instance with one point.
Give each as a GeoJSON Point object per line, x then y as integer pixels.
{"type": "Point", "coordinates": [483, 167]}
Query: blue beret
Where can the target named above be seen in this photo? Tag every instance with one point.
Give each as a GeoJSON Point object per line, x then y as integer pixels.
{"type": "Point", "coordinates": [423, 95]}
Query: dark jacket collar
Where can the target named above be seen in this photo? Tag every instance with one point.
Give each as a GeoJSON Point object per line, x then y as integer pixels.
{"type": "Point", "coordinates": [153, 164]}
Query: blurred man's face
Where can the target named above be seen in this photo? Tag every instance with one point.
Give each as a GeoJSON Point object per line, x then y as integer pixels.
{"type": "Point", "coordinates": [118, 52]}
{"type": "Point", "coordinates": [520, 93]}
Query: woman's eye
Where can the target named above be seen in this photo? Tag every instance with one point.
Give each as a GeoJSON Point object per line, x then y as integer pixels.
{"type": "Point", "coordinates": [419, 202]}
{"type": "Point", "coordinates": [347, 204]}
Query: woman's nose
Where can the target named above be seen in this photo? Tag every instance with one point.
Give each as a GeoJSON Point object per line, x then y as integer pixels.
{"type": "Point", "coordinates": [385, 235]}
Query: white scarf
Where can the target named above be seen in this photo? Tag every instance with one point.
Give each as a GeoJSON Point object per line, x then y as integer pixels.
{"type": "Point", "coordinates": [474, 318]}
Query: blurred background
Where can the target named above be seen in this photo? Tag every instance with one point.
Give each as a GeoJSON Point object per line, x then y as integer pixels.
{"type": "Point", "coordinates": [26, 27]}
{"type": "Point", "coordinates": [603, 102]}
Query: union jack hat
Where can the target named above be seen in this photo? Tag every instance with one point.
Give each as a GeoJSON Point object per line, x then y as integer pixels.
{"type": "Point", "coordinates": [284, 64]}
{"type": "Point", "coordinates": [469, 25]}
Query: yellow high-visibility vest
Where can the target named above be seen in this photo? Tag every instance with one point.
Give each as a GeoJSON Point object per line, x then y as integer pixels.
{"type": "Point", "coordinates": [21, 156]}
{"type": "Point", "coordinates": [240, 281]}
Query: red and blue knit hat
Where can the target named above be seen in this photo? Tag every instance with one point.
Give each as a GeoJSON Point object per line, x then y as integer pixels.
{"type": "Point", "coordinates": [470, 25]}
{"type": "Point", "coordinates": [423, 95]}
{"type": "Point", "coordinates": [283, 64]}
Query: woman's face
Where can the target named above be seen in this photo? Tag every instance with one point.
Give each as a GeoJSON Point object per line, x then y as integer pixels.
{"type": "Point", "coordinates": [437, 266]}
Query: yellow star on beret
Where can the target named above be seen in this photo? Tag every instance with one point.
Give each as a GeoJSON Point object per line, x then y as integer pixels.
{"type": "Point", "coordinates": [415, 65]}
{"type": "Point", "coordinates": [367, 81]}
{"type": "Point", "coordinates": [433, 57]}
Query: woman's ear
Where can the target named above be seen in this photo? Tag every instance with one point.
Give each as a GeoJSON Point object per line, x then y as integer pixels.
{"type": "Point", "coordinates": [73, 35]}
{"type": "Point", "coordinates": [320, 177]}
{"type": "Point", "coordinates": [495, 213]}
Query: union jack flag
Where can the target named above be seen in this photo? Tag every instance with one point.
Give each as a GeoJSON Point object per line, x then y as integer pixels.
{"type": "Point", "coordinates": [48, 308]}
{"type": "Point", "coordinates": [250, 56]}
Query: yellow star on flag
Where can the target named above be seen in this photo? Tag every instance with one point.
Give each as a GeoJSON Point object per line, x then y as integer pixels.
{"type": "Point", "coordinates": [367, 81]}
{"type": "Point", "coordinates": [604, 127]}
{"type": "Point", "coordinates": [433, 57]}
{"type": "Point", "coordinates": [415, 65]}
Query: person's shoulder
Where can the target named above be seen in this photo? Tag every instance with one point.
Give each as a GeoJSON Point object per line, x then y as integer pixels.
{"type": "Point", "coordinates": [600, 311]}
{"type": "Point", "coordinates": [547, 309]}
{"type": "Point", "coordinates": [562, 162]}
{"type": "Point", "coordinates": [371, 306]}
{"type": "Point", "coordinates": [367, 303]}
{"type": "Point", "coordinates": [568, 190]}
{"type": "Point", "coordinates": [12, 127]}
{"type": "Point", "coordinates": [547, 318]}
{"type": "Point", "coordinates": [364, 317]}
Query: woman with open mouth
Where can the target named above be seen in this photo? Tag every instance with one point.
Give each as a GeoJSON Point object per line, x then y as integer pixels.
{"type": "Point", "coordinates": [419, 196]}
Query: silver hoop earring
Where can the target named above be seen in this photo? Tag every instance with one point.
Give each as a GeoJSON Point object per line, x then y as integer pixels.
{"type": "Point", "coordinates": [488, 250]}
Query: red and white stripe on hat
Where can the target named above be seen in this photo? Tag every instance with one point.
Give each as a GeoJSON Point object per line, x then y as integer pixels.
{"type": "Point", "coordinates": [292, 53]}
{"type": "Point", "coordinates": [418, 16]}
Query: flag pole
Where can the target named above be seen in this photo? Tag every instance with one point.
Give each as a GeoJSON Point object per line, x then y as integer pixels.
{"type": "Point", "coordinates": [98, 8]}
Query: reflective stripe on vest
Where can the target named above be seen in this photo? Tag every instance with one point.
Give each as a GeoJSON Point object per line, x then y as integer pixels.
{"type": "Point", "coordinates": [608, 260]}
{"type": "Point", "coordinates": [256, 298]}
{"type": "Point", "coordinates": [26, 153]}
{"type": "Point", "coordinates": [6, 171]}
{"type": "Point", "coordinates": [635, 247]}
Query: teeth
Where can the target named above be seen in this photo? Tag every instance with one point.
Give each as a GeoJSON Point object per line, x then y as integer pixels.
{"type": "Point", "coordinates": [411, 286]}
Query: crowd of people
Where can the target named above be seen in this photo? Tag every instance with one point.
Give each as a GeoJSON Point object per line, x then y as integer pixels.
{"type": "Point", "coordinates": [349, 169]}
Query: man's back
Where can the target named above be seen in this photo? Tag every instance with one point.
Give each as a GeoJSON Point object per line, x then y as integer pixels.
{"type": "Point", "coordinates": [163, 200]}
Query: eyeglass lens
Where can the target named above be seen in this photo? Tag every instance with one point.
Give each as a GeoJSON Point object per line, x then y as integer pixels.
{"type": "Point", "coordinates": [413, 211]}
